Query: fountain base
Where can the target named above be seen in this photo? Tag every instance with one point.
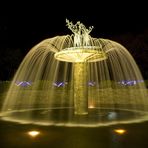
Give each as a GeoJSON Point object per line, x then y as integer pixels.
{"type": "Point", "coordinates": [64, 116]}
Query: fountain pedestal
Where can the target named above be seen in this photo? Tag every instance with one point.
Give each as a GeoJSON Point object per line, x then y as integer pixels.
{"type": "Point", "coordinates": [80, 88]}
{"type": "Point", "coordinates": [80, 56]}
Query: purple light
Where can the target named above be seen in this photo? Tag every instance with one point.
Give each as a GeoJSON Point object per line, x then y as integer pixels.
{"type": "Point", "coordinates": [91, 83]}
{"type": "Point", "coordinates": [23, 83]}
{"type": "Point", "coordinates": [130, 82]}
{"type": "Point", "coordinates": [59, 84]}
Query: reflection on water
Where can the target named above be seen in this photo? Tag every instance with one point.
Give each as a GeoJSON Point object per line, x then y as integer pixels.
{"type": "Point", "coordinates": [14, 135]}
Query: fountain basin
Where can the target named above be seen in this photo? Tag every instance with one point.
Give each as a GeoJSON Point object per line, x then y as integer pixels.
{"type": "Point", "coordinates": [81, 54]}
{"type": "Point", "coordinates": [64, 116]}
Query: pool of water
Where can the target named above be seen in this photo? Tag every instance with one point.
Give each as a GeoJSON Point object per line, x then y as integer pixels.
{"type": "Point", "coordinates": [66, 117]}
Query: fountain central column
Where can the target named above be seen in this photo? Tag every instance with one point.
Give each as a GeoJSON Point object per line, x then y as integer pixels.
{"type": "Point", "coordinates": [79, 53]}
{"type": "Point", "coordinates": [80, 88]}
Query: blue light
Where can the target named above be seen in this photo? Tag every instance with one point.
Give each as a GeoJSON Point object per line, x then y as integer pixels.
{"type": "Point", "coordinates": [59, 84]}
{"type": "Point", "coordinates": [130, 82]}
{"type": "Point", "coordinates": [23, 83]}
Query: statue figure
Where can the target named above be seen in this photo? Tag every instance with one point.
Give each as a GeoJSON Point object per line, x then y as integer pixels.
{"type": "Point", "coordinates": [81, 33]}
{"type": "Point", "coordinates": [86, 36]}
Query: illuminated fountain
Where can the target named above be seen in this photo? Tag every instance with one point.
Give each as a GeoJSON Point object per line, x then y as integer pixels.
{"type": "Point", "coordinates": [77, 80]}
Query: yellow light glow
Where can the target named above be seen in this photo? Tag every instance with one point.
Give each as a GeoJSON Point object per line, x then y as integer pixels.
{"type": "Point", "coordinates": [33, 133]}
{"type": "Point", "coordinates": [91, 106]}
{"type": "Point", "coordinates": [81, 54]}
{"type": "Point", "coordinates": [120, 131]}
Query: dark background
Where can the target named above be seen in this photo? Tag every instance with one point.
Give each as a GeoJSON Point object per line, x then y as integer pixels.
{"type": "Point", "coordinates": [24, 24]}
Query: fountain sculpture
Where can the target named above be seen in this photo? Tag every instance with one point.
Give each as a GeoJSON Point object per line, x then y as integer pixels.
{"type": "Point", "coordinates": [88, 75]}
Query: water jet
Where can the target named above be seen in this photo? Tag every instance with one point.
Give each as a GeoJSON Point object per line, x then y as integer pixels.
{"type": "Point", "coordinates": [76, 60]}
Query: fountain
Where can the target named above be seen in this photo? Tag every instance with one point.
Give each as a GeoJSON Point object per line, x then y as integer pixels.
{"type": "Point", "coordinates": [77, 80]}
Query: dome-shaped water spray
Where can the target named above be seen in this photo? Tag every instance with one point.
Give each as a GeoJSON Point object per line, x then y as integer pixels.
{"type": "Point", "coordinates": [77, 80]}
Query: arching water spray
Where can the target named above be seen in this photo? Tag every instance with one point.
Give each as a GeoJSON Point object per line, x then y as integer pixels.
{"type": "Point", "coordinates": [77, 80]}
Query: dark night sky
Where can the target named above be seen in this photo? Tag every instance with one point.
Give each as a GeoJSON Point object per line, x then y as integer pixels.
{"type": "Point", "coordinates": [23, 25]}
